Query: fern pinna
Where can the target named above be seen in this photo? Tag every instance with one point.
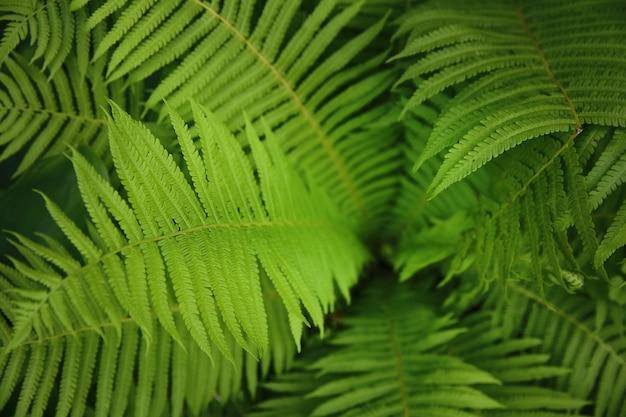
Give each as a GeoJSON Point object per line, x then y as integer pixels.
{"type": "Point", "coordinates": [307, 208]}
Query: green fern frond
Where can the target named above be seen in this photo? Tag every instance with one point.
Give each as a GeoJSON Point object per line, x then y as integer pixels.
{"type": "Point", "coordinates": [489, 142]}
{"type": "Point", "coordinates": [241, 56]}
{"type": "Point", "coordinates": [610, 170]}
{"type": "Point", "coordinates": [614, 238]}
{"type": "Point", "coordinates": [40, 117]}
{"type": "Point", "coordinates": [171, 265]}
{"type": "Point", "coordinates": [49, 26]}
{"type": "Point", "coordinates": [579, 201]}
{"type": "Point", "coordinates": [514, 239]}
{"type": "Point", "coordinates": [604, 180]}
{"type": "Point", "coordinates": [523, 98]}
{"type": "Point", "coordinates": [184, 254]}
{"type": "Point", "coordinates": [290, 392]}
{"type": "Point", "coordinates": [461, 117]}
{"type": "Point", "coordinates": [517, 364]}
{"type": "Point", "coordinates": [387, 362]}
{"type": "Point", "coordinates": [529, 75]}
{"type": "Point", "coordinates": [127, 373]}
{"type": "Point", "coordinates": [574, 338]}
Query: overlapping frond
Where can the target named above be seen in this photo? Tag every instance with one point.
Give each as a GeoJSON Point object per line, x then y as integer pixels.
{"type": "Point", "coordinates": [522, 75]}
{"type": "Point", "coordinates": [127, 374]}
{"type": "Point", "coordinates": [39, 117]}
{"type": "Point", "coordinates": [615, 237]}
{"type": "Point", "coordinates": [389, 363]}
{"type": "Point", "coordinates": [196, 260]}
{"type": "Point", "coordinates": [550, 196]}
{"type": "Point", "coordinates": [182, 252]}
{"type": "Point", "coordinates": [268, 60]}
{"type": "Point", "coordinates": [518, 238]}
{"type": "Point", "coordinates": [518, 364]}
{"type": "Point", "coordinates": [530, 75]}
{"type": "Point", "coordinates": [175, 378]}
{"type": "Point", "coordinates": [576, 333]}
{"type": "Point", "coordinates": [47, 26]}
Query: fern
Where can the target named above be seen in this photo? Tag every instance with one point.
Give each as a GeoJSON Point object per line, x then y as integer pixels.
{"type": "Point", "coordinates": [515, 362]}
{"type": "Point", "coordinates": [352, 375]}
{"type": "Point", "coordinates": [296, 208]}
{"type": "Point", "coordinates": [50, 115]}
{"type": "Point", "coordinates": [608, 173]}
{"type": "Point", "coordinates": [212, 239]}
{"type": "Point", "coordinates": [527, 78]}
{"type": "Point", "coordinates": [309, 87]}
{"type": "Point", "coordinates": [212, 38]}
{"type": "Point", "coordinates": [387, 364]}
{"type": "Point", "coordinates": [575, 335]}
{"type": "Point", "coordinates": [615, 237]}
{"type": "Point", "coordinates": [51, 27]}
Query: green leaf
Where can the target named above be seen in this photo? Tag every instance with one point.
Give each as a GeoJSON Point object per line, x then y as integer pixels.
{"type": "Point", "coordinates": [171, 252]}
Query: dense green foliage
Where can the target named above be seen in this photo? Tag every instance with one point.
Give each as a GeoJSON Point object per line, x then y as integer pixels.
{"type": "Point", "coordinates": [312, 208]}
